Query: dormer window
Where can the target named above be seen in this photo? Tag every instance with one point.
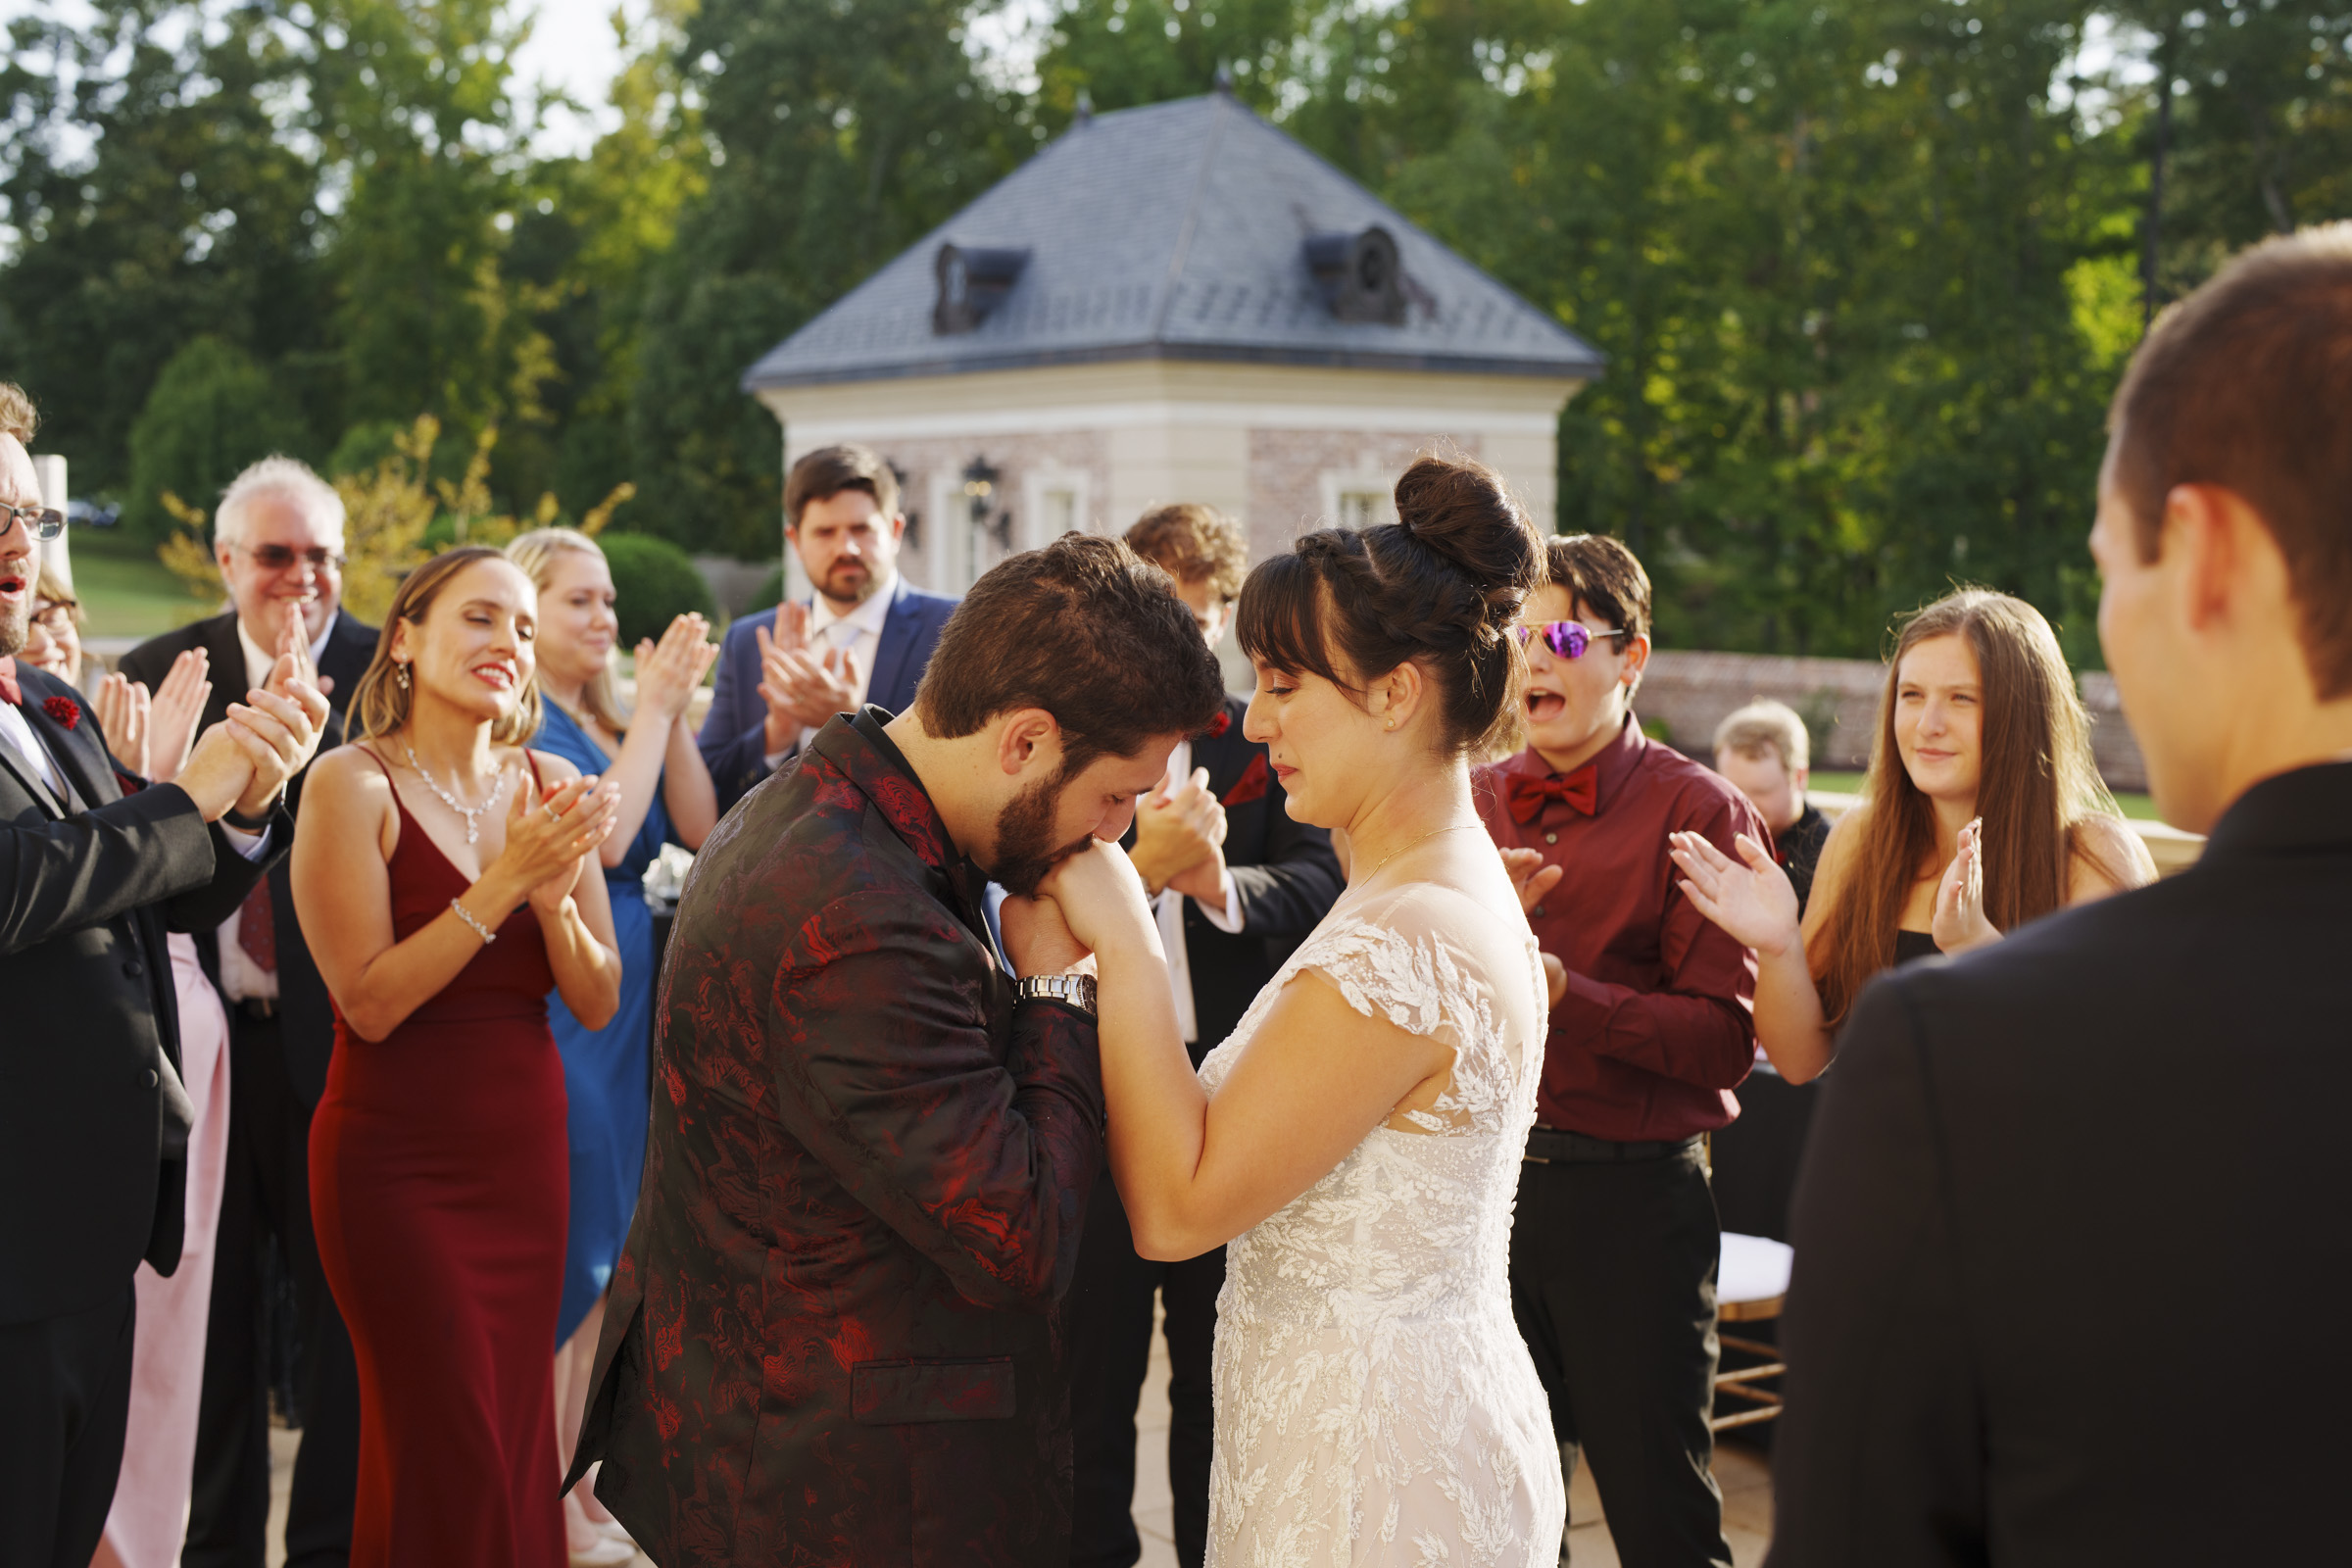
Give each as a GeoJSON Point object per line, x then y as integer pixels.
{"type": "Point", "coordinates": [972, 281]}
{"type": "Point", "coordinates": [1359, 275]}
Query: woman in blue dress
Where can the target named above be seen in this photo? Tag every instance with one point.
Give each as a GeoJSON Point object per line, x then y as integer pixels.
{"type": "Point", "coordinates": [666, 797]}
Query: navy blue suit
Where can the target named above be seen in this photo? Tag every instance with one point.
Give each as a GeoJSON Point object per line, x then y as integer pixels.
{"type": "Point", "coordinates": [734, 736]}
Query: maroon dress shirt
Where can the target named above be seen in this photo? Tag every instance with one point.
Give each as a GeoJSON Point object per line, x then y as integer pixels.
{"type": "Point", "coordinates": [1658, 1024]}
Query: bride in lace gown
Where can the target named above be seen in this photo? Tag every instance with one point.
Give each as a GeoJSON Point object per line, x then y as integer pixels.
{"type": "Point", "coordinates": [1357, 1139]}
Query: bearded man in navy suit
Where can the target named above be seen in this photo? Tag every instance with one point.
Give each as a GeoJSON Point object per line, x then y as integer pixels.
{"type": "Point", "coordinates": [864, 635]}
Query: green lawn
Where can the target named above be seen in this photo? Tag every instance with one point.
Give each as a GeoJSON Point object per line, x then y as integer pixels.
{"type": "Point", "coordinates": [125, 591]}
{"type": "Point", "coordinates": [2136, 806]}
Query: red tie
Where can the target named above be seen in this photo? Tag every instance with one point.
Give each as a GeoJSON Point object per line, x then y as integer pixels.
{"type": "Point", "coordinates": [9, 692]}
{"type": "Point", "coordinates": [256, 928]}
{"type": "Point", "coordinates": [1580, 789]}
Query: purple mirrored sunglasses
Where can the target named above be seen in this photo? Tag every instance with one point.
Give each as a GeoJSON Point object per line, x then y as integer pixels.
{"type": "Point", "coordinates": [1567, 639]}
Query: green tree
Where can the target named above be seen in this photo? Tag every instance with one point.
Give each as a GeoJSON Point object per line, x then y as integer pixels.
{"type": "Point", "coordinates": [836, 136]}
{"type": "Point", "coordinates": [211, 411]}
{"type": "Point", "coordinates": [156, 195]}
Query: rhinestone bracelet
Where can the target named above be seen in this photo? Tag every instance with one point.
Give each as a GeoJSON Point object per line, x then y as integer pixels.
{"type": "Point", "coordinates": [487, 935]}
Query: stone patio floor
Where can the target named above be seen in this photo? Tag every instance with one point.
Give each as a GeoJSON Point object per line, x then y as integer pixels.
{"type": "Point", "coordinates": [1739, 1469]}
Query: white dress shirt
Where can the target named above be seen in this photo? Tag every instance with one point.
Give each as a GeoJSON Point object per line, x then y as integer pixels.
{"type": "Point", "coordinates": [17, 733]}
{"type": "Point", "coordinates": [860, 631]}
{"type": "Point", "coordinates": [1168, 909]}
{"type": "Point", "coordinates": [240, 977]}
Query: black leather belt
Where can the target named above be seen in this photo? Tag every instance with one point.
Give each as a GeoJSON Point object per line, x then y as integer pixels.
{"type": "Point", "coordinates": [1552, 1145]}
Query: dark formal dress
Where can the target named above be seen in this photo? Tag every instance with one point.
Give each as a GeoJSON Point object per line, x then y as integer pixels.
{"type": "Point", "coordinates": [94, 1121]}
{"type": "Point", "coordinates": [1798, 849]}
{"type": "Point", "coordinates": [832, 1339]}
{"type": "Point", "coordinates": [733, 738]}
{"type": "Point", "coordinates": [608, 1071]}
{"type": "Point", "coordinates": [438, 1187]}
{"type": "Point", "coordinates": [278, 1050]}
{"type": "Point", "coordinates": [2070, 1231]}
{"type": "Point", "coordinates": [1285, 880]}
{"type": "Point", "coordinates": [1616, 1241]}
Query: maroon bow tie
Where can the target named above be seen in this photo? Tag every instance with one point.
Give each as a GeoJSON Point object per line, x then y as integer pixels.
{"type": "Point", "coordinates": [1580, 789]}
{"type": "Point", "coordinates": [9, 692]}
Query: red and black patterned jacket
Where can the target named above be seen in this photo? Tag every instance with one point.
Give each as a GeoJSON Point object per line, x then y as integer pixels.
{"type": "Point", "coordinates": [833, 1336]}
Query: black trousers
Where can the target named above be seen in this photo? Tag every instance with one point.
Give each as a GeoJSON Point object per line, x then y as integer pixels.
{"type": "Point", "coordinates": [1613, 1284]}
{"type": "Point", "coordinates": [268, 1193]}
{"type": "Point", "coordinates": [64, 1399]}
{"type": "Point", "coordinates": [1106, 1322]}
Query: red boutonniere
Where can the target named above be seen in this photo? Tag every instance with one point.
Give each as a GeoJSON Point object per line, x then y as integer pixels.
{"type": "Point", "coordinates": [1251, 785]}
{"type": "Point", "coordinates": [65, 709]}
{"type": "Point", "coordinates": [1219, 725]}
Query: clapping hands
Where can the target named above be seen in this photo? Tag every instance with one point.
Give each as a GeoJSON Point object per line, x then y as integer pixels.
{"type": "Point", "coordinates": [1961, 922]}
{"type": "Point", "coordinates": [1755, 903]}
{"type": "Point", "coordinates": [1180, 838]}
{"type": "Point", "coordinates": [800, 687]}
{"type": "Point", "coordinates": [669, 671]}
{"type": "Point", "coordinates": [151, 737]}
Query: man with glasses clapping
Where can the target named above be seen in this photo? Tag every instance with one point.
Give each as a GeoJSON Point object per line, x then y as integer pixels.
{"type": "Point", "coordinates": [279, 540]}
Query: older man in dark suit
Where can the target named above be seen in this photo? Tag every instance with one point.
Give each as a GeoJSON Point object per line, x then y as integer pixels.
{"type": "Point", "coordinates": [832, 1339]}
{"type": "Point", "coordinates": [94, 868]}
{"type": "Point", "coordinates": [278, 541]}
{"type": "Point", "coordinates": [2075, 1201]}
{"type": "Point", "coordinates": [864, 635]}
{"type": "Point", "coordinates": [1237, 885]}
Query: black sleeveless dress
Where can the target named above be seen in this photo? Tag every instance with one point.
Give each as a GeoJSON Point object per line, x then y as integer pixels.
{"type": "Point", "coordinates": [1909, 945]}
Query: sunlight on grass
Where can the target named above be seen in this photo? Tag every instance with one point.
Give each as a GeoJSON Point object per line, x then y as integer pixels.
{"type": "Point", "coordinates": [125, 591]}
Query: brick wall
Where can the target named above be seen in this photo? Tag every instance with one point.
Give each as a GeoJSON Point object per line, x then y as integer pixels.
{"type": "Point", "coordinates": [1838, 699]}
{"type": "Point", "coordinates": [1286, 469]}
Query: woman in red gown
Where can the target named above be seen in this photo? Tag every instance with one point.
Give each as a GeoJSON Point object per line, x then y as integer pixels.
{"type": "Point", "coordinates": [448, 879]}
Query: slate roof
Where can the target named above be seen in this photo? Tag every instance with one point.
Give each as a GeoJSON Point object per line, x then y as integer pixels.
{"type": "Point", "coordinates": [1173, 231]}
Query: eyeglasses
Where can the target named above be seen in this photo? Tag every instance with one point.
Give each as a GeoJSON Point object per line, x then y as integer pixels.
{"type": "Point", "coordinates": [1567, 639]}
{"type": "Point", "coordinates": [41, 523]}
{"type": "Point", "coordinates": [278, 558]}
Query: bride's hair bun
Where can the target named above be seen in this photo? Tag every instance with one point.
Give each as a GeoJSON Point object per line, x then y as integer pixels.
{"type": "Point", "coordinates": [1442, 585]}
{"type": "Point", "coordinates": [1465, 513]}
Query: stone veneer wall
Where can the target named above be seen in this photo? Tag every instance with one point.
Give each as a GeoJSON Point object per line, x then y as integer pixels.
{"type": "Point", "coordinates": [1287, 468]}
{"type": "Point", "coordinates": [1838, 699]}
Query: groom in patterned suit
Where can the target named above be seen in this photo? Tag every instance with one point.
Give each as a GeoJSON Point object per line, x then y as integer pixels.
{"type": "Point", "coordinates": [834, 1336]}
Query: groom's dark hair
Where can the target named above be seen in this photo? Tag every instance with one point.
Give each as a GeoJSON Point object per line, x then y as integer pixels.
{"type": "Point", "coordinates": [1089, 631]}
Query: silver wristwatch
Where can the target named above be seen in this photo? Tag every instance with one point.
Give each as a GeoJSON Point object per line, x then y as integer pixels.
{"type": "Point", "coordinates": [1070, 989]}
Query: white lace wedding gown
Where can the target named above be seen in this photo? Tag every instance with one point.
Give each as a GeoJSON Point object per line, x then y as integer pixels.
{"type": "Point", "coordinates": [1374, 1400]}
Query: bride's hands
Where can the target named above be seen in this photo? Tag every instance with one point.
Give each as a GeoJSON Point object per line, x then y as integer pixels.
{"type": "Point", "coordinates": [1102, 900]}
{"type": "Point", "coordinates": [1754, 903]}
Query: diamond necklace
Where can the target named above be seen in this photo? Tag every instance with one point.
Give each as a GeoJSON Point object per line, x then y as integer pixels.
{"type": "Point", "coordinates": [472, 814]}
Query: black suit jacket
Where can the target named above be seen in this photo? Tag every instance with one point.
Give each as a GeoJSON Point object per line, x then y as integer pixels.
{"type": "Point", "coordinates": [307, 1016]}
{"type": "Point", "coordinates": [2071, 1224]}
{"type": "Point", "coordinates": [1284, 872]}
{"type": "Point", "coordinates": [92, 1162]}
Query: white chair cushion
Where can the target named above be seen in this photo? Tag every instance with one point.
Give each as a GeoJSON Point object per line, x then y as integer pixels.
{"type": "Point", "coordinates": [1755, 1268]}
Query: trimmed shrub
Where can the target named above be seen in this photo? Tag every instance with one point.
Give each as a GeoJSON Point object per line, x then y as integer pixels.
{"type": "Point", "coordinates": [655, 582]}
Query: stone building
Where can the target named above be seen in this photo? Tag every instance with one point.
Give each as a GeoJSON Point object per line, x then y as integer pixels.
{"type": "Point", "coordinates": [1173, 302]}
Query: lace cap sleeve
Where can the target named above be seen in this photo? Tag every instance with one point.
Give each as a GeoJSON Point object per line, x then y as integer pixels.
{"type": "Point", "coordinates": [1394, 960]}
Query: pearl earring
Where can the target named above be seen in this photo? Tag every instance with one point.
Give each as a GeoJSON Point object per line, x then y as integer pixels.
{"type": "Point", "coordinates": [401, 674]}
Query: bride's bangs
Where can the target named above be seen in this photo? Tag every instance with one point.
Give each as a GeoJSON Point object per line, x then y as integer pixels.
{"type": "Point", "coordinates": [1280, 619]}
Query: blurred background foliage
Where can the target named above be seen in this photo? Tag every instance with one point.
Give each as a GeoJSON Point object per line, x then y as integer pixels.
{"type": "Point", "coordinates": [1865, 269]}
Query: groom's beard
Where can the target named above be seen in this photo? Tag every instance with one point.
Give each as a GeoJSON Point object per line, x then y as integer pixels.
{"type": "Point", "coordinates": [1026, 846]}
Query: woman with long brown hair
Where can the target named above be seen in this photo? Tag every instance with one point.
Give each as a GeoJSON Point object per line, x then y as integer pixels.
{"type": "Point", "coordinates": [1982, 810]}
{"type": "Point", "coordinates": [446, 878]}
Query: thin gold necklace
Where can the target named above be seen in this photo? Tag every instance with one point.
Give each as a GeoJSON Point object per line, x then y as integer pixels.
{"type": "Point", "coordinates": [1458, 827]}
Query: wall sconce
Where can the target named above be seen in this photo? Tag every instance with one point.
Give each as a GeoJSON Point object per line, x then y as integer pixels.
{"type": "Point", "coordinates": [979, 495]}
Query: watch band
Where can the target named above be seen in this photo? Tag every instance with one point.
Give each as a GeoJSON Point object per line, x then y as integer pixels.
{"type": "Point", "coordinates": [1070, 989]}
{"type": "Point", "coordinates": [249, 825]}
